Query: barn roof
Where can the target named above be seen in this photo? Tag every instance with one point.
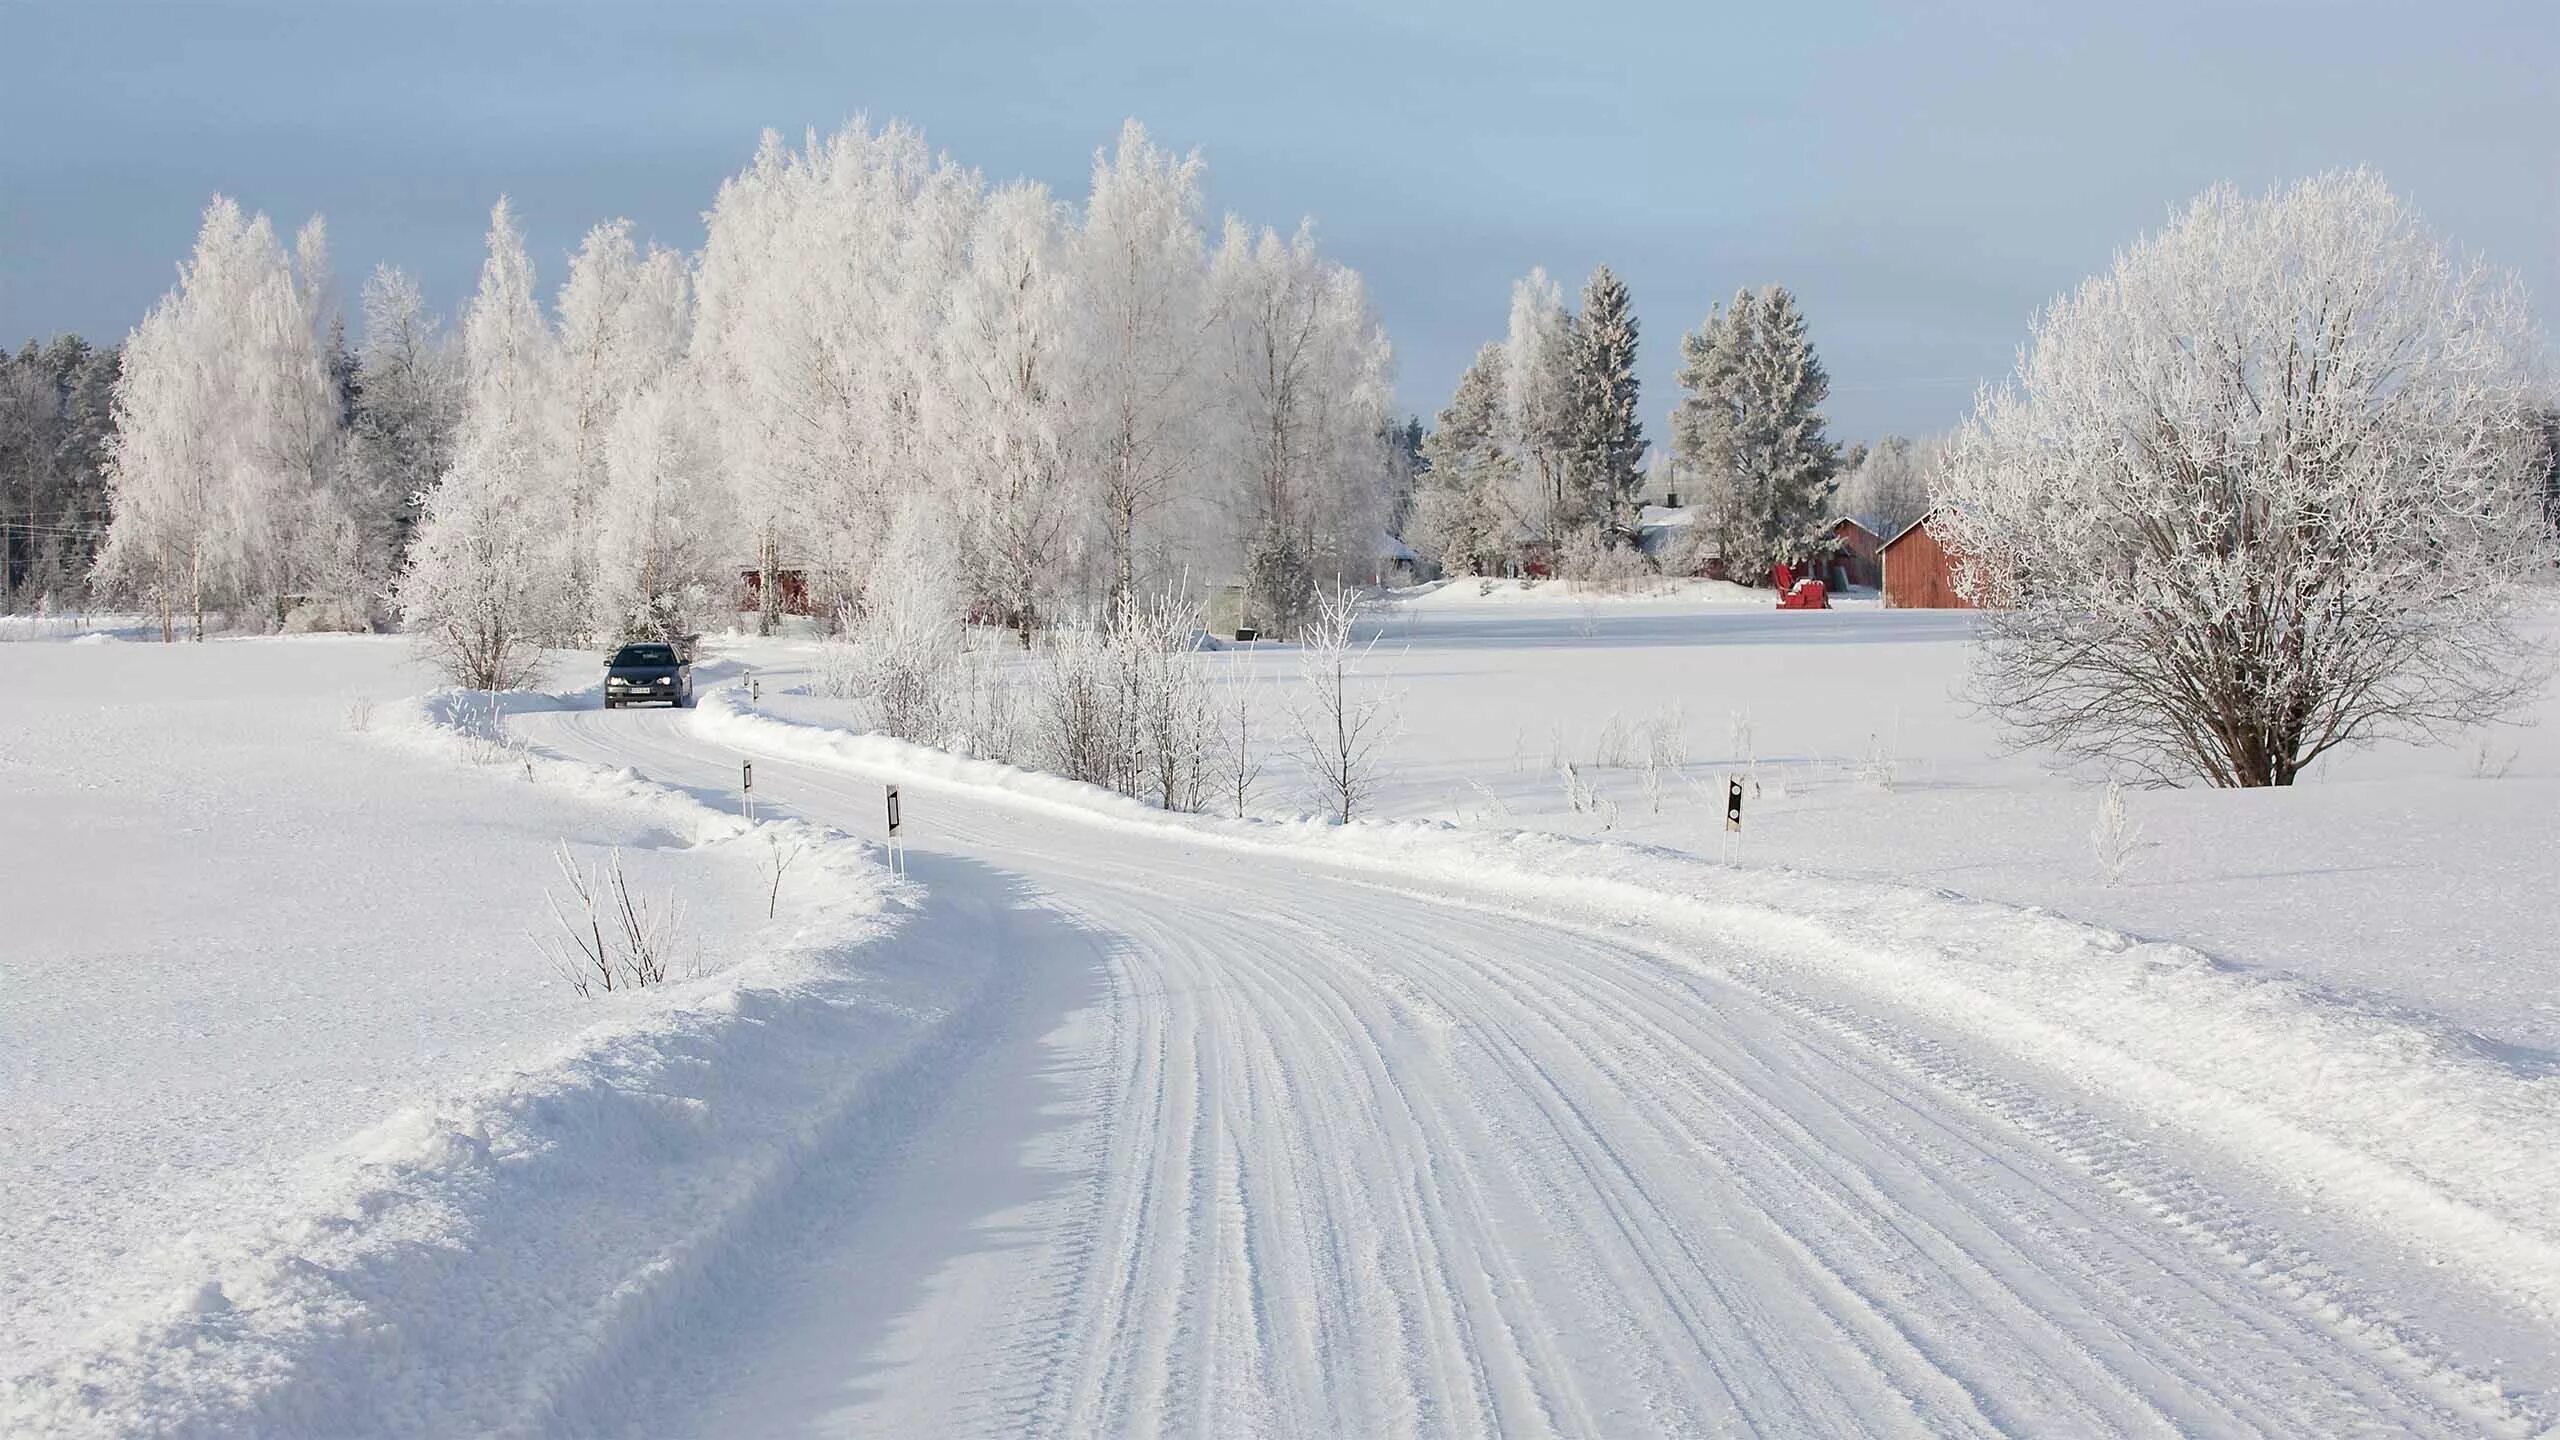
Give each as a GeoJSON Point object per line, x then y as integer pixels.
{"type": "Point", "coordinates": [1914, 525]}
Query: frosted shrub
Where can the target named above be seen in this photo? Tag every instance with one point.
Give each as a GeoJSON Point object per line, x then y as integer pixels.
{"type": "Point", "coordinates": [2115, 838]}
{"type": "Point", "coordinates": [360, 714]}
{"type": "Point", "coordinates": [986, 708]}
{"type": "Point", "coordinates": [1126, 705]}
{"type": "Point", "coordinates": [1615, 749]}
{"type": "Point", "coordinates": [1578, 794]}
{"type": "Point", "coordinates": [1600, 567]}
{"type": "Point", "coordinates": [2260, 491]}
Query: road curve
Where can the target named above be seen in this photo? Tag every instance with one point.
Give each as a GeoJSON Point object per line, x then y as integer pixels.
{"type": "Point", "coordinates": [1253, 1149]}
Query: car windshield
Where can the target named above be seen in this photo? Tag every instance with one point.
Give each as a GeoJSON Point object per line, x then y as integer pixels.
{"type": "Point", "coordinates": [644, 657]}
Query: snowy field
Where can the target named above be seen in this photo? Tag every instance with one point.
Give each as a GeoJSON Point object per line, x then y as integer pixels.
{"type": "Point", "coordinates": [305, 1132]}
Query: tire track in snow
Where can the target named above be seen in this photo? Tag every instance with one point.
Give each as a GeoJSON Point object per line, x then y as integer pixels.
{"type": "Point", "coordinates": [1401, 1163]}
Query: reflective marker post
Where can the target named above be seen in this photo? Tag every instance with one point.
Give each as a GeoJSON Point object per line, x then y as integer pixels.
{"type": "Point", "coordinates": [747, 789]}
{"type": "Point", "coordinates": [1733, 819]}
{"type": "Point", "coordinates": [897, 847]}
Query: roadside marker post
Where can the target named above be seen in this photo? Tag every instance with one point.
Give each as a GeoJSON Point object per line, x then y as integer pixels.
{"type": "Point", "coordinates": [1733, 819]}
{"type": "Point", "coordinates": [747, 789]}
{"type": "Point", "coordinates": [897, 847]}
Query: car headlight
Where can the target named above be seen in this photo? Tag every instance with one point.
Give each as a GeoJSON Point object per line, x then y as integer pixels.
{"type": "Point", "coordinates": [615, 680]}
{"type": "Point", "coordinates": [666, 679]}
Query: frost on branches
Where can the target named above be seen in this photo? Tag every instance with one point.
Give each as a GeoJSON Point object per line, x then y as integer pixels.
{"type": "Point", "coordinates": [2259, 491]}
{"type": "Point", "coordinates": [223, 477]}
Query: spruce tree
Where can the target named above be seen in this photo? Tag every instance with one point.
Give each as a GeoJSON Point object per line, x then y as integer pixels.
{"type": "Point", "coordinates": [1751, 429]}
{"type": "Point", "coordinates": [1459, 506]}
{"type": "Point", "coordinates": [1607, 437]}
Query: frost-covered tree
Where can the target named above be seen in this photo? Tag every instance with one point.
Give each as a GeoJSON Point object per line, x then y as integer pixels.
{"type": "Point", "coordinates": [1605, 434]}
{"type": "Point", "coordinates": [1463, 506]}
{"type": "Point", "coordinates": [1751, 429]}
{"type": "Point", "coordinates": [624, 321]}
{"type": "Point", "coordinates": [408, 403]}
{"type": "Point", "coordinates": [1140, 299]}
{"type": "Point", "coordinates": [1301, 427]}
{"type": "Point", "coordinates": [223, 475]}
{"type": "Point", "coordinates": [2256, 493]}
{"type": "Point", "coordinates": [483, 586]}
{"type": "Point", "coordinates": [1888, 486]}
{"type": "Point", "coordinates": [1002, 419]}
{"type": "Point", "coordinates": [820, 292]}
{"type": "Point", "coordinates": [1537, 405]}
{"type": "Point", "coordinates": [660, 528]}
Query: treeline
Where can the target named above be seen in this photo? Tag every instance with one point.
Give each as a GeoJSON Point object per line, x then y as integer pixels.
{"type": "Point", "coordinates": [875, 354]}
{"type": "Point", "coordinates": [56, 417]}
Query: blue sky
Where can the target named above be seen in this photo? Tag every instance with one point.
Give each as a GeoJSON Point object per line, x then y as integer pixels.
{"type": "Point", "coordinates": [1924, 176]}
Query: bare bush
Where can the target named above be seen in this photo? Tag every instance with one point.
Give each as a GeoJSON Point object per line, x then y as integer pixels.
{"type": "Point", "coordinates": [779, 855]}
{"type": "Point", "coordinates": [610, 939]}
{"type": "Point", "coordinates": [1348, 716]}
{"type": "Point", "coordinates": [1241, 743]}
{"type": "Point", "coordinates": [360, 713]}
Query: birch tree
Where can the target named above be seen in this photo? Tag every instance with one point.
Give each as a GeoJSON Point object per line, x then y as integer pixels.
{"type": "Point", "coordinates": [1537, 372]}
{"type": "Point", "coordinates": [1140, 293]}
{"type": "Point", "coordinates": [1002, 418]}
{"type": "Point", "coordinates": [624, 317]}
{"type": "Point", "coordinates": [1305, 396]}
{"type": "Point", "coordinates": [223, 475]}
{"type": "Point", "coordinates": [482, 588]}
{"type": "Point", "coordinates": [2256, 493]}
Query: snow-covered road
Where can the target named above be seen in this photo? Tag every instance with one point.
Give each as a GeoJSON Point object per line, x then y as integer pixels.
{"type": "Point", "coordinates": [1252, 1146]}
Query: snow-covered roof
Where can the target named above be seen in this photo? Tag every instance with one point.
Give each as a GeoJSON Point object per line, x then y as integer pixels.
{"type": "Point", "coordinates": [1391, 548]}
{"type": "Point", "coordinates": [1868, 523]}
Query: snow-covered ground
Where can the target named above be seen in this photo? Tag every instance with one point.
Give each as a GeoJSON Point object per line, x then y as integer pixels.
{"type": "Point", "coordinates": [287, 1070]}
{"type": "Point", "coordinates": [1895, 1118]}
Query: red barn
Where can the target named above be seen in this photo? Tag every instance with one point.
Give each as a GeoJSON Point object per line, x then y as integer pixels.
{"type": "Point", "coordinates": [791, 580]}
{"type": "Point", "coordinates": [1857, 556]}
{"type": "Point", "coordinates": [1917, 575]}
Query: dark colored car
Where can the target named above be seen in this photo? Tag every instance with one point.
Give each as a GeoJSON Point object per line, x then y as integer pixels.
{"type": "Point", "coordinates": [648, 674]}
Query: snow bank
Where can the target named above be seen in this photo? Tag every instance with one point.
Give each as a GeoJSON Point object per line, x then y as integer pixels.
{"type": "Point", "coordinates": [2410, 1127]}
{"type": "Point", "coordinates": [491, 1262]}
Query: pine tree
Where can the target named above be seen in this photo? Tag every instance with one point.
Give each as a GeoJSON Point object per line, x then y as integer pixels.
{"type": "Point", "coordinates": [1606, 435]}
{"type": "Point", "coordinates": [1751, 429]}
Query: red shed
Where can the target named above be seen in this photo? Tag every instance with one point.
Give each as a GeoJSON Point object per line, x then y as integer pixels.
{"type": "Point", "coordinates": [1916, 573]}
